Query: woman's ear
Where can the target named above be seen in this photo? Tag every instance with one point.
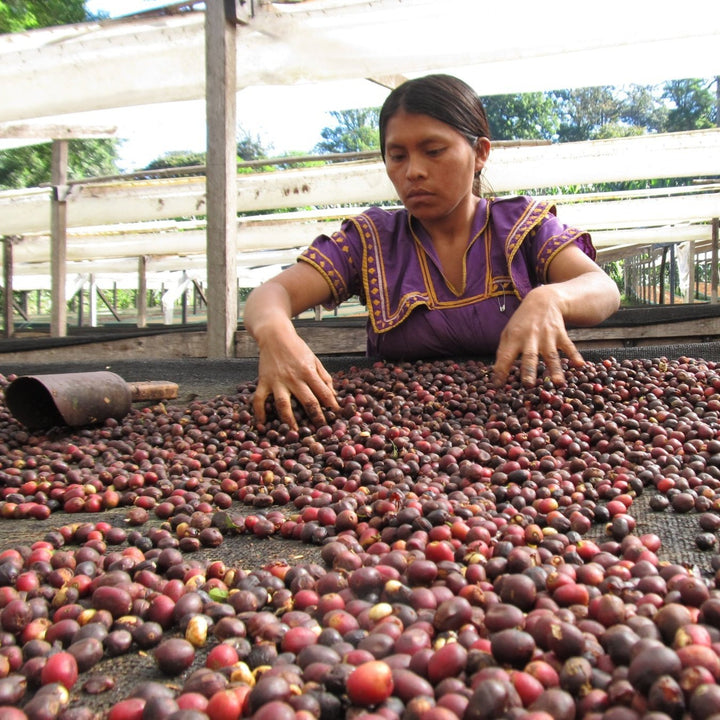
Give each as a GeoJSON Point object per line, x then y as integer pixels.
{"type": "Point", "coordinates": [482, 151]}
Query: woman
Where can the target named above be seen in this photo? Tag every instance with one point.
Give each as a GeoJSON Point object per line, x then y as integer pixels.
{"type": "Point", "coordinates": [450, 274]}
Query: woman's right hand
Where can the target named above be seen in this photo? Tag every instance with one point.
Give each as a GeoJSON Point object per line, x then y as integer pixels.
{"type": "Point", "coordinates": [287, 368]}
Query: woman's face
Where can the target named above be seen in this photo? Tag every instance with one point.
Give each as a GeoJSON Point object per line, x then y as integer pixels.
{"type": "Point", "coordinates": [431, 165]}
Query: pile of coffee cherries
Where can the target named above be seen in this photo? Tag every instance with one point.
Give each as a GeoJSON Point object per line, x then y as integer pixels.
{"type": "Point", "coordinates": [478, 553]}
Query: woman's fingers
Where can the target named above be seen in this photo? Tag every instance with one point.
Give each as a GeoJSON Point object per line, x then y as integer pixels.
{"type": "Point", "coordinates": [284, 408]}
{"type": "Point", "coordinates": [507, 352]}
{"type": "Point", "coordinates": [528, 367]}
{"type": "Point", "coordinates": [314, 393]}
{"type": "Point", "coordinates": [258, 403]}
{"type": "Point", "coordinates": [573, 355]}
{"type": "Point", "coordinates": [553, 367]}
{"type": "Point", "coordinates": [326, 391]}
{"type": "Point", "coordinates": [530, 357]}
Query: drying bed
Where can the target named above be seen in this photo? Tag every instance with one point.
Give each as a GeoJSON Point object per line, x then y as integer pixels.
{"type": "Point", "coordinates": [441, 548]}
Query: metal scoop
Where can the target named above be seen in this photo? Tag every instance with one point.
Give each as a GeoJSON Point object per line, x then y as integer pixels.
{"type": "Point", "coordinates": [77, 399]}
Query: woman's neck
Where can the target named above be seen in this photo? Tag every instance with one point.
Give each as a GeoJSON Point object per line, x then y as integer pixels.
{"type": "Point", "coordinates": [453, 229]}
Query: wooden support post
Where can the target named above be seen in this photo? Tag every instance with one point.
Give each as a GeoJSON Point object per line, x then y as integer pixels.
{"type": "Point", "coordinates": [672, 280]}
{"type": "Point", "coordinates": [58, 238]}
{"type": "Point", "coordinates": [692, 273]}
{"type": "Point", "coordinates": [714, 269]}
{"type": "Point", "coordinates": [9, 329]}
{"type": "Point", "coordinates": [221, 180]}
{"type": "Point", "coordinates": [81, 307]}
{"type": "Point", "coordinates": [199, 292]}
{"type": "Point", "coordinates": [142, 292]}
{"type": "Point", "coordinates": [663, 264]}
{"type": "Point", "coordinates": [92, 301]}
{"type": "Point", "coordinates": [110, 305]}
{"type": "Point", "coordinates": [183, 303]}
{"type": "Point", "coordinates": [626, 278]}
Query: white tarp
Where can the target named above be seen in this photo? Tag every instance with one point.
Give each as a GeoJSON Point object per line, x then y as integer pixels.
{"type": "Point", "coordinates": [510, 169]}
{"type": "Point", "coordinates": [559, 44]}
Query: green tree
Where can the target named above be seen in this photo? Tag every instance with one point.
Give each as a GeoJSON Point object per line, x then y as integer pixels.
{"type": "Point", "coordinates": [693, 104]}
{"type": "Point", "coordinates": [356, 130]}
{"type": "Point", "coordinates": [583, 111]}
{"type": "Point", "coordinates": [641, 106]}
{"type": "Point", "coordinates": [17, 15]}
{"type": "Point", "coordinates": [251, 148]}
{"type": "Point", "coordinates": [177, 159]}
{"type": "Point", "coordinates": [524, 116]}
{"type": "Point", "coordinates": [30, 165]}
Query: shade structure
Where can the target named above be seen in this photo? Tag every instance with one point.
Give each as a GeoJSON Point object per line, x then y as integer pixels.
{"type": "Point", "coordinates": [694, 154]}
{"type": "Point", "coordinates": [561, 44]}
{"type": "Point", "coordinates": [82, 74]}
{"type": "Point", "coordinates": [617, 221]}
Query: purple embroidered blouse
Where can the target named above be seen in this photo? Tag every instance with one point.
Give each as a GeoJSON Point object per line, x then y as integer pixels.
{"type": "Point", "coordinates": [386, 258]}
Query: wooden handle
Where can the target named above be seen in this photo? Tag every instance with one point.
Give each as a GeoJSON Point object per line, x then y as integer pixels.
{"type": "Point", "coordinates": [153, 390]}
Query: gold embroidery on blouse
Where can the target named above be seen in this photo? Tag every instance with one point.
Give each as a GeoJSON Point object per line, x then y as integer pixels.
{"type": "Point", "coordinates": [323, 265]}
{"type": "Point", "coordinates": [424, 258]}
{"type": "Point", "coordinates": [529, 219]}
{"type": "Point", "coordinates": [546, 253]}
{"type": "Point", "coordinates": [384, 317]}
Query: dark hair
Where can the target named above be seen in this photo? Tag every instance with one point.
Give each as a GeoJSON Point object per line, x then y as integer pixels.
{"type": "Point", "coordinates": [442, 97]}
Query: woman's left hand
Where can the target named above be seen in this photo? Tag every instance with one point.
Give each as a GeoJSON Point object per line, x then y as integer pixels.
{"type": "Point", "coordinates": [578, 292]}
{"type": "Point", "coordinates": [536, 331]}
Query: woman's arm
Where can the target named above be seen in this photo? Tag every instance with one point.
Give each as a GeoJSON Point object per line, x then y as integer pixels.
{"type": "Point", "coordinates": [287, 367]}
{"type": "Point", "coordinates": [578, 293]}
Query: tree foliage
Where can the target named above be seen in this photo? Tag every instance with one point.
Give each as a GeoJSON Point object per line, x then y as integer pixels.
{"type": "Point", "coordinates": [18, 15]}
{"type": "Point", "coordinates": [523, 116]}
{"type": "Point", "coordinates": [589, 113]}
{"type": "Point", "coordinates": [356, 130]}
{"type": "Point", "coordinates": [177, 159]}
{"type": "Point", "coordinates": [250, 147]}
{"type": "Point", "coordinates": [29, 166]}
{"type": "Point", "coordinates": [693, 104]}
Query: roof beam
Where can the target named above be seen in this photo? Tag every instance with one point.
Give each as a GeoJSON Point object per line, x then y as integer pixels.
{"type": "Point", "coordinates": [62, 70]}
{"type": "Point", "coordinates": [14, 135]}
{"type": "Point", "coordinates": [510, 169]}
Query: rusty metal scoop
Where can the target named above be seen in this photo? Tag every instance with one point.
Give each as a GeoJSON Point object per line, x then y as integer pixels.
{"type": "Point", "coordinates": [77, 399]}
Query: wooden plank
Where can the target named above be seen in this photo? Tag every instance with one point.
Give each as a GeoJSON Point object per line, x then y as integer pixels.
{"type": "Point", "coordinates": [329, 339]}
{"type": "Point", "coordinates": [8, 286]}
{"type": "Point", "coordinates": [702, 327]}
{"type": "Point", "coordinates": [142, 292]}
{"type": "Point", "coordinates": [332, 340]}
{"type": "Point", "coordinates": [220, 62]}
{"type": "Point", "coordinates": [322, 340]}
{"type": "Point", "coordinates": [161, 346]}
{"type": "Point", "coordinates": [714, 271]}
{"type": "Point", "coordinates": [21, 134]}
{"type": "Point", "coordinates": [23, 212]}
{"type": "Point", "coordinates": [58, 237]}
{"type": "Point", "coordinates": [66, 69]}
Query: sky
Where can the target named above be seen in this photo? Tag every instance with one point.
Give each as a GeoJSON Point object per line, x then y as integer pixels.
{"type": "Point", "coordinates": [262, 112]}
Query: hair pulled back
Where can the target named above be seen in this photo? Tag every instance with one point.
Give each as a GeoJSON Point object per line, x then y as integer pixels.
{"type": "Point", "coordinates": [442, 97]}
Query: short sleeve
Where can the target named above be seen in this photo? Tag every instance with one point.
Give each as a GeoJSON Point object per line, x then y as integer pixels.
{"type": "Point", "coordinates": [338, 258]}
{"type": "Point", "coordinates": [550, 237]}
{"type": "Point", "coordinates": [533, 236]}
